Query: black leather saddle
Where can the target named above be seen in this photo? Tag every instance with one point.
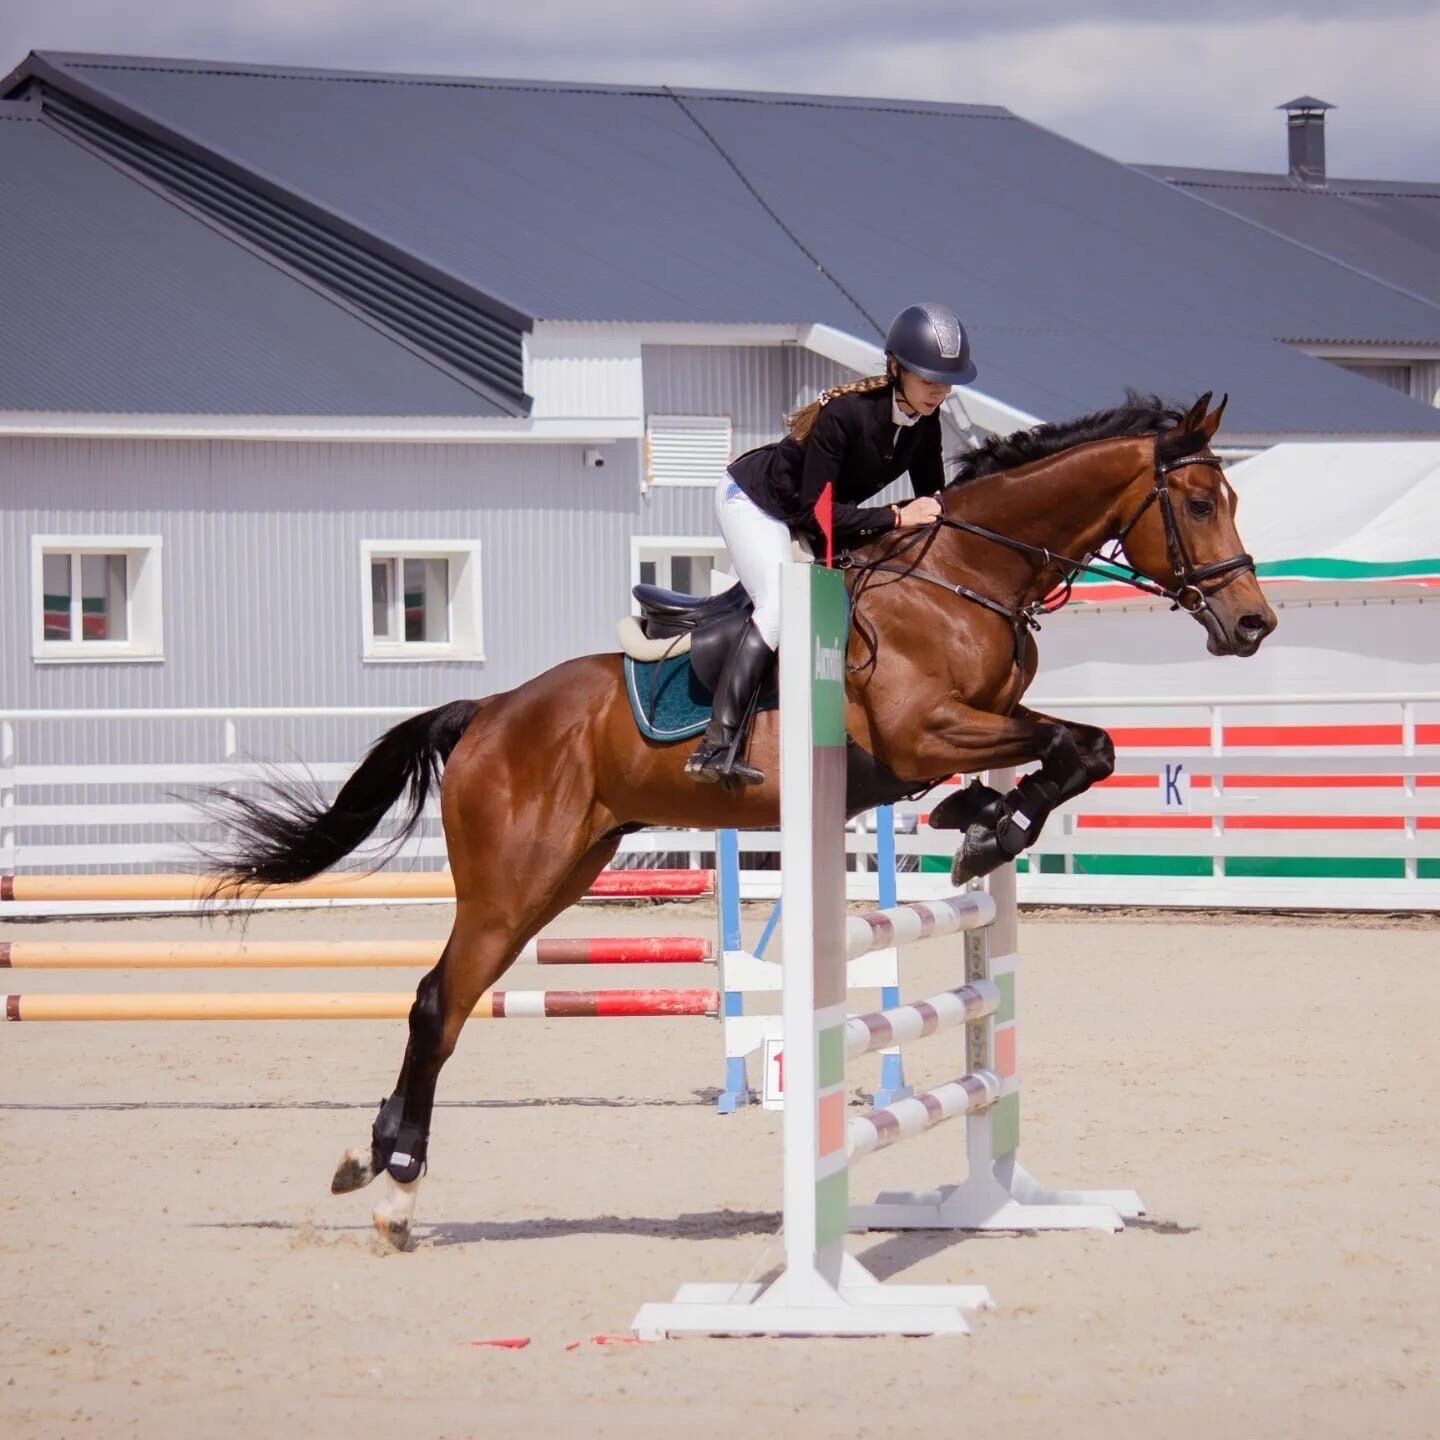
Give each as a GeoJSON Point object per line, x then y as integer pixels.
{"type": "Point", "coordinates": [713, 624]}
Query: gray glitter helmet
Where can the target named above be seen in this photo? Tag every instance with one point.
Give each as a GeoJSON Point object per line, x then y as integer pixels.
{"type": "Point", "coordinates": [930, 341]}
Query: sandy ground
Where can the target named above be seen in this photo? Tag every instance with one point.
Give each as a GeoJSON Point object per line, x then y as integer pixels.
{"type": "Point", "coordinates": [172, 1264]}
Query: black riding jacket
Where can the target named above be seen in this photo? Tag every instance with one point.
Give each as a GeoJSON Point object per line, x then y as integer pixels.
{"type": "Point", "coordinates": [856, 444]}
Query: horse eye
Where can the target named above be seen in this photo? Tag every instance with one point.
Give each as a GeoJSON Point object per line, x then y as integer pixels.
{"type": "Point", "coordinates": [1201, 509]}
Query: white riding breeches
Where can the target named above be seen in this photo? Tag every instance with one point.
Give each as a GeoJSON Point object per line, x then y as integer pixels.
{"type": "Point", "coordinates": [759, 546]}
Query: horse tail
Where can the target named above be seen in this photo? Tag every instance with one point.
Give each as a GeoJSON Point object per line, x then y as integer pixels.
{"type": "Point", "coordinates": [293, 832]}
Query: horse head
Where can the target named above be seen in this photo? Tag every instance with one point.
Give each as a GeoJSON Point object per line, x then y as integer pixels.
{"type": "Point", "coordinates": [1183, 537]}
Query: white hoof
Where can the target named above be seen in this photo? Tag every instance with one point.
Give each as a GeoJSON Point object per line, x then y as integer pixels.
{"type": "Point", "coordinates": [392, 1216]}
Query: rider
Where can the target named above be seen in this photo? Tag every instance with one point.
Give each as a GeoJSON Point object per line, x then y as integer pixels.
{"type": "Point", "coordinates": [856, 438]}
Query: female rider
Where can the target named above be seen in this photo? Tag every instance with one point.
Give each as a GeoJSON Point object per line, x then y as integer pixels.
{"type": "Point", "coordinates": [857, 439]}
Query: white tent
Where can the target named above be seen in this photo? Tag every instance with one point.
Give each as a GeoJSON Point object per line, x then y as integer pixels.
{"type": "Point", "coordinates": [1351, 513]}
{"type": "Point", "coordinates": [1347, 542]}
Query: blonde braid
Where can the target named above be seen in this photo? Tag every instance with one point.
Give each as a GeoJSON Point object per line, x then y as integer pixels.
{"type": "Point", "coordinates": [802, 422]}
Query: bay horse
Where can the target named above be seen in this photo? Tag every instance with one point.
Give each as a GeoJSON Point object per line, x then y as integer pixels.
{"type": "Point", "coordinates": [541, 782]}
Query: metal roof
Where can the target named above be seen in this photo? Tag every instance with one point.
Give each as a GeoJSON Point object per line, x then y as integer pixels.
{"type": "Point", "coordinates": [1078, 275]}
{"type": "Point", "coordinates": [1386, 228]}
{"type": "Point", "coordinates": [118, 301]}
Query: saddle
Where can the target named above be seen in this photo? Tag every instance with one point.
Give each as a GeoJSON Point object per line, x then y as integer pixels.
{"type": "Point", "coordinates": [704, 627]}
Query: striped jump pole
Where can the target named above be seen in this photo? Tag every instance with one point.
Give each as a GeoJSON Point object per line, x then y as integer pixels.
{"type": "Point", "coordinates": [379, 885]}
{"type": "Point", "coordinates": [493, 1005]}
{"type": "Point", "coordinates": [333, 954]}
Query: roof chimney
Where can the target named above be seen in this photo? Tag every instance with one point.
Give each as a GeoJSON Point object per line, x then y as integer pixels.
{"type": "Point", "coordinates": [1305, 121]}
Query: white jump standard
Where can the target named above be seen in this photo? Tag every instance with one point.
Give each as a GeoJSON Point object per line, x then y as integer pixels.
{"type": "Point", "coordinates": [822, 1289]}
{"type": "Point", "coordinates": [998, 1192]}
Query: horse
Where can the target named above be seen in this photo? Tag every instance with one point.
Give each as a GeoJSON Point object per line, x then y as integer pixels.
{"type": "Point", "coordinates": [541, 782]}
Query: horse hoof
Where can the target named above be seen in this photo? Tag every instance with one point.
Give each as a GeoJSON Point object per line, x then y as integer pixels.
{"type": "Point", "coordinates": [354, 1172]}
{"type": "Point", "coordinates": [394, 1232]}
{"type": "Point", "coordinates": [392, 1216]}
{"type": "Point", "coordinates": [974, 858]}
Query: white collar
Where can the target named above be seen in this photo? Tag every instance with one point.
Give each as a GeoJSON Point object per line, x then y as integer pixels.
{"type": "Point", "coordinates": [898, 415]}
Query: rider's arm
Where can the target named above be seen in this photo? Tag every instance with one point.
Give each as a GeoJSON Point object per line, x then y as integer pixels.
{"type": "Point", "coordinates": [824, 452]}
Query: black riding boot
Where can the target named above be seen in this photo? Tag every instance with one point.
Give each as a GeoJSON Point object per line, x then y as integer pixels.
{"type": "Point", "coordinates": [718, 755]}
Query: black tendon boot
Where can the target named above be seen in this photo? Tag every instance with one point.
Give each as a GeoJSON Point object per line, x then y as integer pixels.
{"type": "Point", "coordinates": [717, 757]}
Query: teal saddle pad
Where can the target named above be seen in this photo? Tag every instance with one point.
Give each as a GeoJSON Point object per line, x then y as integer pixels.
{"type": "Point", "coordinates": [665, 699]}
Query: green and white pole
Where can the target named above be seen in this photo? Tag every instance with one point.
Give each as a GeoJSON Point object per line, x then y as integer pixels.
{"type": "Point", "coordinates": [814, 623]}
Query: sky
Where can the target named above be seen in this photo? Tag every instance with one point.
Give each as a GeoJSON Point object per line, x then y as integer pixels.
{"type": "Point", "coordinates": [1153, 83]}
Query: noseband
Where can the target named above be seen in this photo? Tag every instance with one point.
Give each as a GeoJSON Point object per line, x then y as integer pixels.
{"type": "Point", "coordinates": [1189, 593]}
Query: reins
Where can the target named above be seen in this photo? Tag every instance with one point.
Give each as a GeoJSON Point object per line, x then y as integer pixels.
{"type": "Point", "coordinates": [1189, 593]}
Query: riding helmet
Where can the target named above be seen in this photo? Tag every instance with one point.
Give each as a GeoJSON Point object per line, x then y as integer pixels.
{"type": "Point", "coordinates": [930, 341]}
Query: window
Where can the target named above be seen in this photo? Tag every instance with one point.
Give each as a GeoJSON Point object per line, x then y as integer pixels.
{"type": "Point", "coordinates": [686, 449]}
{"type": "Point", "coordinates": [96, 597]}
{"type": "Point", "coordinates": [695, 565]}
{"type": "Point", "coordinates": [421, 599]}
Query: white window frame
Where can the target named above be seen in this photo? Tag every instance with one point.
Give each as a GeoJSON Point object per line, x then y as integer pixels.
{"type": "Point", "coordinates": [666, 547]}
{"type": "Point", "coordinates": [465, 622]}
{"type": "Point", "coordinates": [703, 429]}
{"type": "Point", "coordinates": [144, 620]}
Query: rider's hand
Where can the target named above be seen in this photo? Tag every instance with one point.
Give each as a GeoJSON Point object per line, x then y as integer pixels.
{"type": "Point", "coordinates": [920, 512]}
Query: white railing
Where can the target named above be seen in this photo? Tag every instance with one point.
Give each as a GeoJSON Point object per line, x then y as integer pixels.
{"type": "Point", "coordinates": [1207, 822]}
{"type": "Point", "coordinates": [1350, 824]}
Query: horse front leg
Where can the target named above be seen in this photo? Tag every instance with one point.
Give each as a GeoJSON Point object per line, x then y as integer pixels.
{"type": "Point", "coordinates": [998, 827]}
{"type": "Point", "coordinates": [1072, 758]}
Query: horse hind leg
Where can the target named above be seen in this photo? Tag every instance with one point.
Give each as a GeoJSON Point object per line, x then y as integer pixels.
{"type": "Point", "coordinates": [487, 936]}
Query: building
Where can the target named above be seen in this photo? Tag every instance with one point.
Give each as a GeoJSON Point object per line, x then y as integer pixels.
{"type": "Point", "coordinates": [327, 389]}
{"type": "Point", "coordinates": [1388, 230]}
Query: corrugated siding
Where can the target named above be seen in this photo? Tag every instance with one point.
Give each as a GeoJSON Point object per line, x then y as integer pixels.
{"type": "Point", "coordinates": [754, 385]}
{"type": "Point", "coordinates": [262, 579]}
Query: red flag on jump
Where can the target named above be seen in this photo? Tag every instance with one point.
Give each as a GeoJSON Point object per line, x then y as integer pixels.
{"type": "Point", "coordinates": [825, 516]}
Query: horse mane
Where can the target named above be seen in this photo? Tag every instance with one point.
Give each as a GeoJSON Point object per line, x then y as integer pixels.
{"type": "Point", "coordinates": [1140, 415]}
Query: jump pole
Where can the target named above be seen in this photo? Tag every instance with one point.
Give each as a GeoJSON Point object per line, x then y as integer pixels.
{"type": "Point", "coordinates": [333, 954]}
{"type": "Point", "coordinates": [822, 1289]}
{"type": "Point", "coordinates": [493, 1005]}
{"type": "Point", "coordinates": [380, 885]}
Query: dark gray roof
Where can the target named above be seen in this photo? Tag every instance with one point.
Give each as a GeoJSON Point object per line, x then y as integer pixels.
{"type": "Point", "coordinates": [118, 301]}
{"type": "Point", "coordinates": [1386, 228]}
{"type": "Point", "coordinates": [1078, 275]}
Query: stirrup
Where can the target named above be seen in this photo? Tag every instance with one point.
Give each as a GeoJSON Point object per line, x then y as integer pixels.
{"type": "Point", "coordinates": [712, 764]}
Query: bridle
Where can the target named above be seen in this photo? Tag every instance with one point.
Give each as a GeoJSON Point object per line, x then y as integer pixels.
{"type": "Point", "coordinates": [1195, 585]}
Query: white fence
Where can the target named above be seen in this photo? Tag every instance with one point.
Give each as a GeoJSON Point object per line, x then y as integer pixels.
{"type": "Point", "coordinates": [1270, 801]}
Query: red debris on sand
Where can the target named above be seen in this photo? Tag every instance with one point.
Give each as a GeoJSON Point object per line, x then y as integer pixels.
{"type": "Point", "coordinates": [609, 1340]}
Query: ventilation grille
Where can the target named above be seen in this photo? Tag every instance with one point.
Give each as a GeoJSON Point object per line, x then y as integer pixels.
{"type": "Point", "coordinates": [483, 349]}
{"type": "Point", "coordinates": [686, 449]}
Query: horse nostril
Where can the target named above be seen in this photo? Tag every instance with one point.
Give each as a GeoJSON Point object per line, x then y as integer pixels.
{"type": "Point", "coordinates": [1251, 625]}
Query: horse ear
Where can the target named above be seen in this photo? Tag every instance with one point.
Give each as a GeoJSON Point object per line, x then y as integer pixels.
{"type": "Point", "coordinates": [1195, 417]}
{"type": "Point", "coordinates": [1211, 422]}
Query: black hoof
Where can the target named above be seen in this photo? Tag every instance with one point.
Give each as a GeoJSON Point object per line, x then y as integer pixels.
{"type": "Point", "coordinates": [978, 855]}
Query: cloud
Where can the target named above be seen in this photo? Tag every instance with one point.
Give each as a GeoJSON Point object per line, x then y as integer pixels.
{"type": "Point", "coordinates": [1136, 79]}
